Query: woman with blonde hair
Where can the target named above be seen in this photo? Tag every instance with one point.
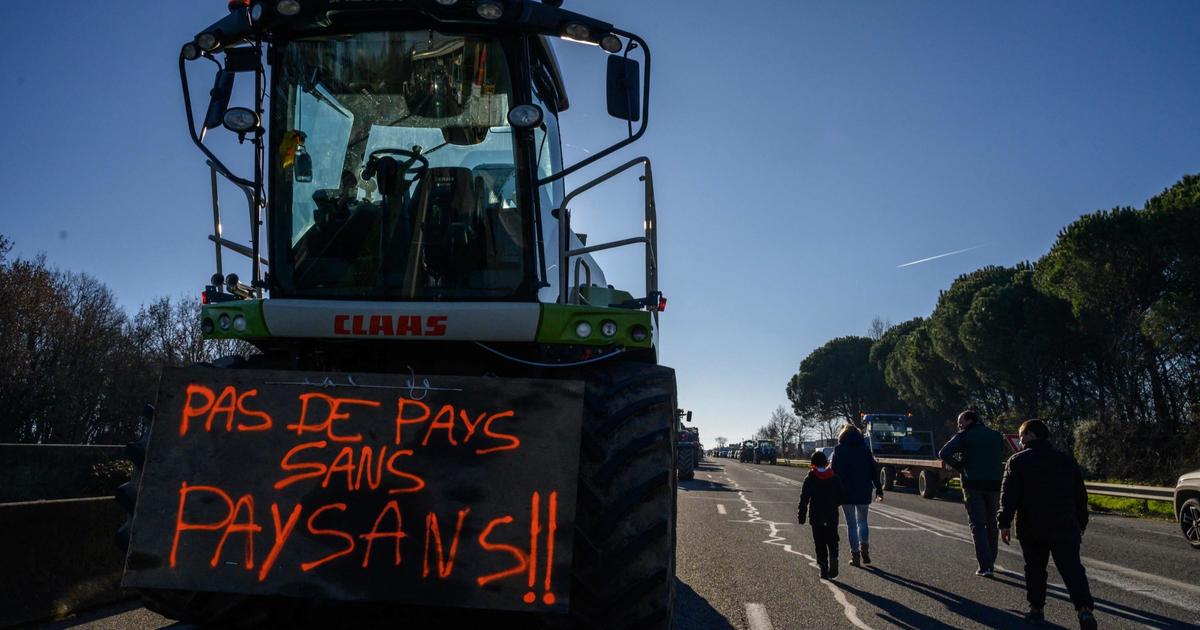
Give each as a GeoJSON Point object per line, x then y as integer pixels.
{"type": "Point", "coordinates": [855, 465]}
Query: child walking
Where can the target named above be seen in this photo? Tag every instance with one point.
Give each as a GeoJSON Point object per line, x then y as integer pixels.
{"type": "Point", "coordinates": [820, 497]}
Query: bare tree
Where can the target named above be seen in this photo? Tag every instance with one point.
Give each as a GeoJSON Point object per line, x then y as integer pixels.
{"type": "Point", "coordinates": [878, 327]}
{"type": "Point", "coordinates": [721, 442]}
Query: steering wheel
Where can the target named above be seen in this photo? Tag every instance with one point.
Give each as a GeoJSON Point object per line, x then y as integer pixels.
{"type": "Point", "coordinates": [389, 172]}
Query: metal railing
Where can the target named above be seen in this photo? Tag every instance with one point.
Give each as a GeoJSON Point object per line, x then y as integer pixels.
{"type": "Point", "coordinates": [1122, 491]}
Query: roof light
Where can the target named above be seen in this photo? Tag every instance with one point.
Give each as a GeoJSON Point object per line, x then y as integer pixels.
{"type": "Point", "coordinates": [583, 330]}
{"type": "Point", "coordinates": [525, 116]}
{"type": "Point", "coordinates": [489, 9]}
{"type": "Point", "coordinates": [206, 41]}
{"type": "Point", "coordinates": [191, 51]}
{"type": "Point", "coordinates": [447, 3]}
{"type": "Point", "coordinates": [577, 31]}
{"type": "Point", "coordinates": [611, 43]}
{"type": "Point", "coordinates": [287, 7]}
{"type": "Point", "coordinates": [256, 11]}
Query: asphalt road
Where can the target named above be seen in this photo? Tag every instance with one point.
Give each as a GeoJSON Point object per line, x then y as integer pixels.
{"type": "Point", "coordinates": [744, 563]}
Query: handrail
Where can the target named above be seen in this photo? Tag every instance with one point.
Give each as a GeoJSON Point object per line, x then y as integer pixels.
{"type": "Point", "coordinates": [649, 237]}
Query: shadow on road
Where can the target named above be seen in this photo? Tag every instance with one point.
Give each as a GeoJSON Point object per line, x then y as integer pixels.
{"type": "Point", "coordinates": [951, 495]}
{"type": "Point", "coordinates": [704, 485]}
{"type": "Point", "coordinates": [1103, 607]}
{"type": "Point", "coordinates": [906, 617]}
{"type": "Point", "coordinates": [693, 612]}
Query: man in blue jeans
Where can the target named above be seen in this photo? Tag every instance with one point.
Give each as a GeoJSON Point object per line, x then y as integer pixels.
{"type": "Point", "coordinates": [978, 452]}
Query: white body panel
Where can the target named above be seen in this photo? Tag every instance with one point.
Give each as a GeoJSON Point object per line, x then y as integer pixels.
{"type": "Point", "coordinates": [456, 321]}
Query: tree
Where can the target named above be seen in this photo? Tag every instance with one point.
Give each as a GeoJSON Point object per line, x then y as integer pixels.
{"type": "Point", "coordinates": [721, 442]}
{"type": "Point", "coordinates": [878, 327]}
{"type": "Point", "coordinates": [838, 382]}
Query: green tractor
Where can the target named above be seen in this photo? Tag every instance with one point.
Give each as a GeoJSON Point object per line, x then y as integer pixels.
{"type": "Point", "coordinates": [450, 415]}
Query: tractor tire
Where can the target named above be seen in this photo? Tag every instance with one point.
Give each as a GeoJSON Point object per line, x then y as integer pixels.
{"type": "Point", "coordinates": [887, 478]}
{"type": "Point", "coordinates": [929, 484]}
{"type": "Point", "coordinates": [687, 463]}
{"type": "Point", "coordinates": [623, 572]}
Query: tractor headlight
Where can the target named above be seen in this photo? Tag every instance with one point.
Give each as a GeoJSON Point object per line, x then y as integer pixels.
{"type": "Point", "coordinates": [191, 51]}
{"type": "Point", "coordinates": [583, 330]}
{"type": "Point", "coordinates": [239, 323]}
{"type": "Point", "coordinates": [639, 333]}
{"type": "Point", "coordinates": [489, 9]}
{"type": "Point", "coordinates": [240, 119]}
{"type": "Point", "coordinates": [611, 43]}
{"type": "Point", "coordinates": [608, 328]}
{"type": "Point", "coordinates": [525, 116]}
{"type": "Point", "coordinates": [256, 11]}
{"type": "Point", "coordinates": [206, 326]}
{"type": "Point", "coordinates": [287, 7]}
{"type": "Point", "coordinates": [206, 41]}
{"type": "Point", "coordinates": [447, 3]}
{"type": "Point", "coordinates": [578, 32]}
{"type": "Point", "coordinates": [224, 321]}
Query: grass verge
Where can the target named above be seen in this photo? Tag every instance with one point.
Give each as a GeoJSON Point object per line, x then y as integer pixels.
{"type": "Point", "coordinates": [1132, 507]}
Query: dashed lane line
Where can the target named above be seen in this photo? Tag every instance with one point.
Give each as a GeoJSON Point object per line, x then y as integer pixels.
{"type": "Point", "coordinates": [721, 508]}
{"type": "Point", "coordinates": [756, 616]}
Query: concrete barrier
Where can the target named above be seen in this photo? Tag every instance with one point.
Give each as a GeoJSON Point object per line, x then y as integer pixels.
{"type": "Point", "coordinates": [33, 472]}
{"type": "Point", "coordinates": [59, 557]}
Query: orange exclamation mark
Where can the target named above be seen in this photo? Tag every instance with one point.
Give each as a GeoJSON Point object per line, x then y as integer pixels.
{"type": "Point", "coordinates": [549, 598]}
{"type": "Point", "coordinates": [534, 530]}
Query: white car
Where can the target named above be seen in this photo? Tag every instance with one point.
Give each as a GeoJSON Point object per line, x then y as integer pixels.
{"type": "Point", "coordinates": [1187, 506]}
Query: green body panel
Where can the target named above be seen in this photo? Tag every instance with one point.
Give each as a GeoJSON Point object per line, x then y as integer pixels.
{"type": "Point", "coordinates": [560, 320]}
{"type": "Point", "coordinates": [252, 310]}
{"type": "Point", "coordinates": [595, 295]}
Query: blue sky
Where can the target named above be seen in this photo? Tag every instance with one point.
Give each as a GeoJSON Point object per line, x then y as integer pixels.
{"type": "Point", "coordinates": [802, 152]}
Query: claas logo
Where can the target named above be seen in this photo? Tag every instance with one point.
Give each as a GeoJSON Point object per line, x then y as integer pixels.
{"type": "Point", "coordinates": [390, 325]}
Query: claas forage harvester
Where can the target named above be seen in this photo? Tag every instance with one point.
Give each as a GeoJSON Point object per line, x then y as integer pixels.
{"type": "Point", "coordinates": [450, 414]}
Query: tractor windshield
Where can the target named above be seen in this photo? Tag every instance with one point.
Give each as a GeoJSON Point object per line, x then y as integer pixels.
{"type": "Point", "coordinates": [393, 174]}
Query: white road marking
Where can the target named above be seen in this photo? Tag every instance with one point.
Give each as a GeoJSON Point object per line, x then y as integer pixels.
{"type": "Point", "coordinates": [1180, 594]}
{"type": "Point", "coordinates": [848, 609]}
{"type": "Point", "coordinates": [721, 508]}
{"type": "Point", "coordinates": [756, 616]}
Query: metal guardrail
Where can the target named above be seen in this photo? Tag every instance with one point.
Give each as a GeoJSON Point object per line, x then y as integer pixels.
{"type": "Point", "coordinates": [1122, 491]}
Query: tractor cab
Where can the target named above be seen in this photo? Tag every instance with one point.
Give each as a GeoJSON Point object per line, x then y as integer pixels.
{"type": "Point", "coordinates": [410, 154]}
{"type": "Point", "coordinates": [890, 434]}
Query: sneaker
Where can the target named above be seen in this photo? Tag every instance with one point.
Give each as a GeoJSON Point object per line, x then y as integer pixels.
{"type": "Point", "coordinates": [1035, 617]}
{"type": "Point", "coordinates": [855, 559]}
{"type": "Point", "coordinates": [866, 554]}
{"type": "Point", "coordinates": [1087, 621]}
{"type": "Point", "coordinates": [984, 573]}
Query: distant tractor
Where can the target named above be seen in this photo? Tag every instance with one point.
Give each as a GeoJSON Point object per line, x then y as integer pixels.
{"type": "Point", "coordinates": [766, 451]}
{"type": "Point", "coordinates": [452, 415]}
{"type": "Point", "coordinates": [687, 453]}
{"type": "Point", "coordinates": [748, 451]}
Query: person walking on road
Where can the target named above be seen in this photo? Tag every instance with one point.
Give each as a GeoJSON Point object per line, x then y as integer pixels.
{"type": "Point", "coordinates": [977, 452]}
{"type": "Point", "coordinates": [854, 464]}
{"type": "Point", "coordinates": [1044, 489]}
{"type": "Point", "coordinates": [820, 497]}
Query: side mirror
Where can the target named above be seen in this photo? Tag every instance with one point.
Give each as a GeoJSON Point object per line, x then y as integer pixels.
{"type": "Point", "coordinates": [624, 88]}
{"type": "Point", "coordinates": [219, 99]}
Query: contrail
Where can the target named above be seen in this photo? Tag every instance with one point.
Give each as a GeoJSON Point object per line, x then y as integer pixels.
{"type": "Point", "coordinates": [957, 251]}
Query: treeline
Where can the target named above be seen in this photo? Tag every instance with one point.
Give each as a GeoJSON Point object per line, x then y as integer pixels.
{"type": "Point", "coordinates": [74, 367]}
{"type": "Point", "coordinates": [1100, 338]}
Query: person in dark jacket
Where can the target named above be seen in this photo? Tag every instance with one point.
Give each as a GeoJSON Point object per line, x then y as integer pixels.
{"type": "Point", "coordinates": [977, 453]}
{"type": "Point", "coordinates": [820, 497]}
{"type": "Point", "coordinates": [854, 464]}
{"type": "Point", "coordinates": [1044, 489]}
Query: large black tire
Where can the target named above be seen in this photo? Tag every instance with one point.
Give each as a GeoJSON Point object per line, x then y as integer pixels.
{"type": "Point", "coordinates": [930, 484]}
{"type": "Point", "coordinates": [686, 455]}
{"type": "Point", "coordinates": [623, 573]}
{"type": "Point", "coordinates": [887, 478]}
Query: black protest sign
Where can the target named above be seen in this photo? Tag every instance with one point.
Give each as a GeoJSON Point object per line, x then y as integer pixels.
{"type": "Point", "coordinates": [442, 491]}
